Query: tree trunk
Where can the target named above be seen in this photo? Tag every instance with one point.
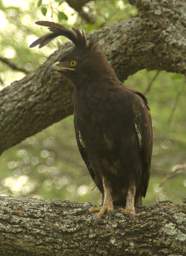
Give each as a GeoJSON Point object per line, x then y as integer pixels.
{"type": "Point", "coordinates": [155, 39]}
{"type": "Point", "coordinates": [34, 227]}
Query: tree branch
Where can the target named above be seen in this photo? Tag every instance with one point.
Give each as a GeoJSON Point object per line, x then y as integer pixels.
{"type": "Point", "coordinates": [33, 227]}
{"type": "Point", "coordinates": [156, 39]}
{"type": "Point", "coordinates": [149, 86]}
{"type": "Point", "coordinates": [78, 7]}
{"type": "Point", "coordinates": [175, 104]}
{"type": "Point", "coordinates": [176, 170]}
{"type": "Point", "coordinates": [1, 81]}
{"type": "Point", "coordinates": [12, 65]}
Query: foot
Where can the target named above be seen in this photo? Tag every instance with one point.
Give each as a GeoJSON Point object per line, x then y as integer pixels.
{"type": "Point", "coordinates": [107, 201]}
{"type": "Point", "coordinates": [101, 211]}
{"type": "Point", "coordinates": [129, 211]}
{"type": "Point", "coordinates": [104, 209]}
{"type": "Point", "coordinates": [94, 209]}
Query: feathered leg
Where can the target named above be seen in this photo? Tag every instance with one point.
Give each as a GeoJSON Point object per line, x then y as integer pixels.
{"type": "Point", "coordinates": [107, 200]}
{"type": "Point", "coordinates": [130, 201]}
{"type": "Point", "coordinates": [138, 201]}
{"type": "Point", "coordinates": [107, 204]}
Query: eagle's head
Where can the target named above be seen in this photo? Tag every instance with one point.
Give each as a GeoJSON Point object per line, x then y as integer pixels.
{"type": "Point", "coordinates": [83, 60]}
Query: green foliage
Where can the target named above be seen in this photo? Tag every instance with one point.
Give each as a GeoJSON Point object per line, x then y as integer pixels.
{"type": "Point", "coordinates": [44, 10]}
{"type": "Point", "coordinates": [59, 1]}
{"type": "Point", "coordinates": [62, 16]}
{"type": "Point", "coordinates": [39, 3]}
{"type": "Point", "coordinates": [48, 165]}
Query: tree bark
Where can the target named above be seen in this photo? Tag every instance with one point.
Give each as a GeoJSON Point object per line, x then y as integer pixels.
{"type": "Point", "coordinates": [33, 227]}
{"type": "Point", "coordinates": [78, 7]}
{"type": "Point", "coordinates": [155, 39]}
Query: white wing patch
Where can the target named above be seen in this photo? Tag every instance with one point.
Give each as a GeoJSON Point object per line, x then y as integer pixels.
{"type": "Point", "coordinates": [138, 134]}
{"type": "Point", "coordinates": [81, 139]}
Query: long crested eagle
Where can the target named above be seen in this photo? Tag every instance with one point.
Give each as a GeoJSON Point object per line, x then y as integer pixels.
{"type": "Point", "coordinates": [112, 123]}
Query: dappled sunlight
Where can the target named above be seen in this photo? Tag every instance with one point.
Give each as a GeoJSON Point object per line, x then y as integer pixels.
{"type": "Point", "coordinates": [9, 52]}
{"type": "Point", "coordinates": [82, 190]}
{"type": "Point", "coordinates": [18, 185]}
{"type": "Point", "coordinates": [3, 20]}
{"type": "Point", "coordinates": [17, 3]}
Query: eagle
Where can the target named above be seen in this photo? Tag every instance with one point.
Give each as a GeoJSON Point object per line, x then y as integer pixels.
{"type": "Point", "coordinates": [112, 122]}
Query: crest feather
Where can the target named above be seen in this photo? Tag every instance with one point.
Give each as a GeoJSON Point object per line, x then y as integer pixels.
{"type": "Point", "coordinates": [74, 35]}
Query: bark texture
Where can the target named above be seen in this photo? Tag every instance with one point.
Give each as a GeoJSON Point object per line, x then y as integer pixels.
{"type": "Point", "coordinates": [155, 39]}
{"type": "Point", "coordinates": [78, 7]}
{"type": "Point", "coordinates": [33, 227]}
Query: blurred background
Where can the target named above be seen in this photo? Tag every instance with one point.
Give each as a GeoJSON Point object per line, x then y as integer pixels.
{"type": "Point", "coordinates": [48, 165]}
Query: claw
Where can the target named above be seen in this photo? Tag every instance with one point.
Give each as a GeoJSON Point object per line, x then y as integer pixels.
{"type": "Point", "coordinates": [94, 209]}
{"type": "Point", "coordinates": [107, 202]}
{"type": "Point", "coordinates": [128, 211]}
{"type": "Point", "coordinates": [104, 209]}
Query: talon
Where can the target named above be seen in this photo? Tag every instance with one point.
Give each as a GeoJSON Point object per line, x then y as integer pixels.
{"type": "Point", "coordinates": [103, 211]}
{"type": "Point", "coordinates": [94, 209]}
{"type": "Point", "coordinates": [129, 211]}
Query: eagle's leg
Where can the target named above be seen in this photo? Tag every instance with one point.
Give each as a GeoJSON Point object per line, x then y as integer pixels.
{"type": "Point", "coordinates": [130, 201]}
{"type": "Point", "coordinates": [107, 200]}
{"type": "Point", "coordinates": [138, 201]}
{"type": "Point", "coordinates": [95, 209]}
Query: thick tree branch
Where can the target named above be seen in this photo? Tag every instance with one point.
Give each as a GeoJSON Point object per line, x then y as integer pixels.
{"type": "Point", "coordinates": [34, 228]}
{"type": "Point", "coordinates": [156, 39]}
{"type": "Point", "coordinates": [78, 7]}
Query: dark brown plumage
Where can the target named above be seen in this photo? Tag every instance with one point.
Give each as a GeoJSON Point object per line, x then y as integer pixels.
{"type": "Point", "coordinates": [112, 123]}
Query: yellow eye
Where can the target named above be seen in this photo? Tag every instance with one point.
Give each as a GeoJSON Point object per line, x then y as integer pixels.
{"type": "Point", "coordinates": [73, 63]}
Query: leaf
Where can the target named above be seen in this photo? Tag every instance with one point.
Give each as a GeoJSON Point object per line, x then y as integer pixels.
{"type": "Point", "coordinates": [44, 10]}
{"type": "Point", "coordinates": [59, 1]}
{"type": "Point", "coordinates": [62, 16]}
{"type": "Point", "coordinates": [39, 3]}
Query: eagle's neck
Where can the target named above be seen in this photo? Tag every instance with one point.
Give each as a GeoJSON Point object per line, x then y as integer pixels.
{"type": "Point", "coordinates": [97, 79]}
{"type": "Point", "coordinates": [96, 72]}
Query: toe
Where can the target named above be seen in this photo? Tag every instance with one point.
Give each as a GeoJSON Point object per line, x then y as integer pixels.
{"type": "Point", "coordinates": [103, 211]}
{"type": "Point", "coordinates": [94, 209]}
{"type": "Point", "coordinates": [128, 211]}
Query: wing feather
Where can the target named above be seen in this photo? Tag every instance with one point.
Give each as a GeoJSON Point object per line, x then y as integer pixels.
{"type": "Point", "coordinates": [143, 128]}
{"type": "Point", "coordinates": [84, 155]}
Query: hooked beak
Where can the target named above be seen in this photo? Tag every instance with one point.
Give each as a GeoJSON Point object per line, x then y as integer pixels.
{"type": "Point", "coordinates": [60, 67]}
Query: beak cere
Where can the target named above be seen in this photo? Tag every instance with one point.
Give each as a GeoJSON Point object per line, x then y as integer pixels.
{"type": "Point", "coordinates": [60, 67]}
